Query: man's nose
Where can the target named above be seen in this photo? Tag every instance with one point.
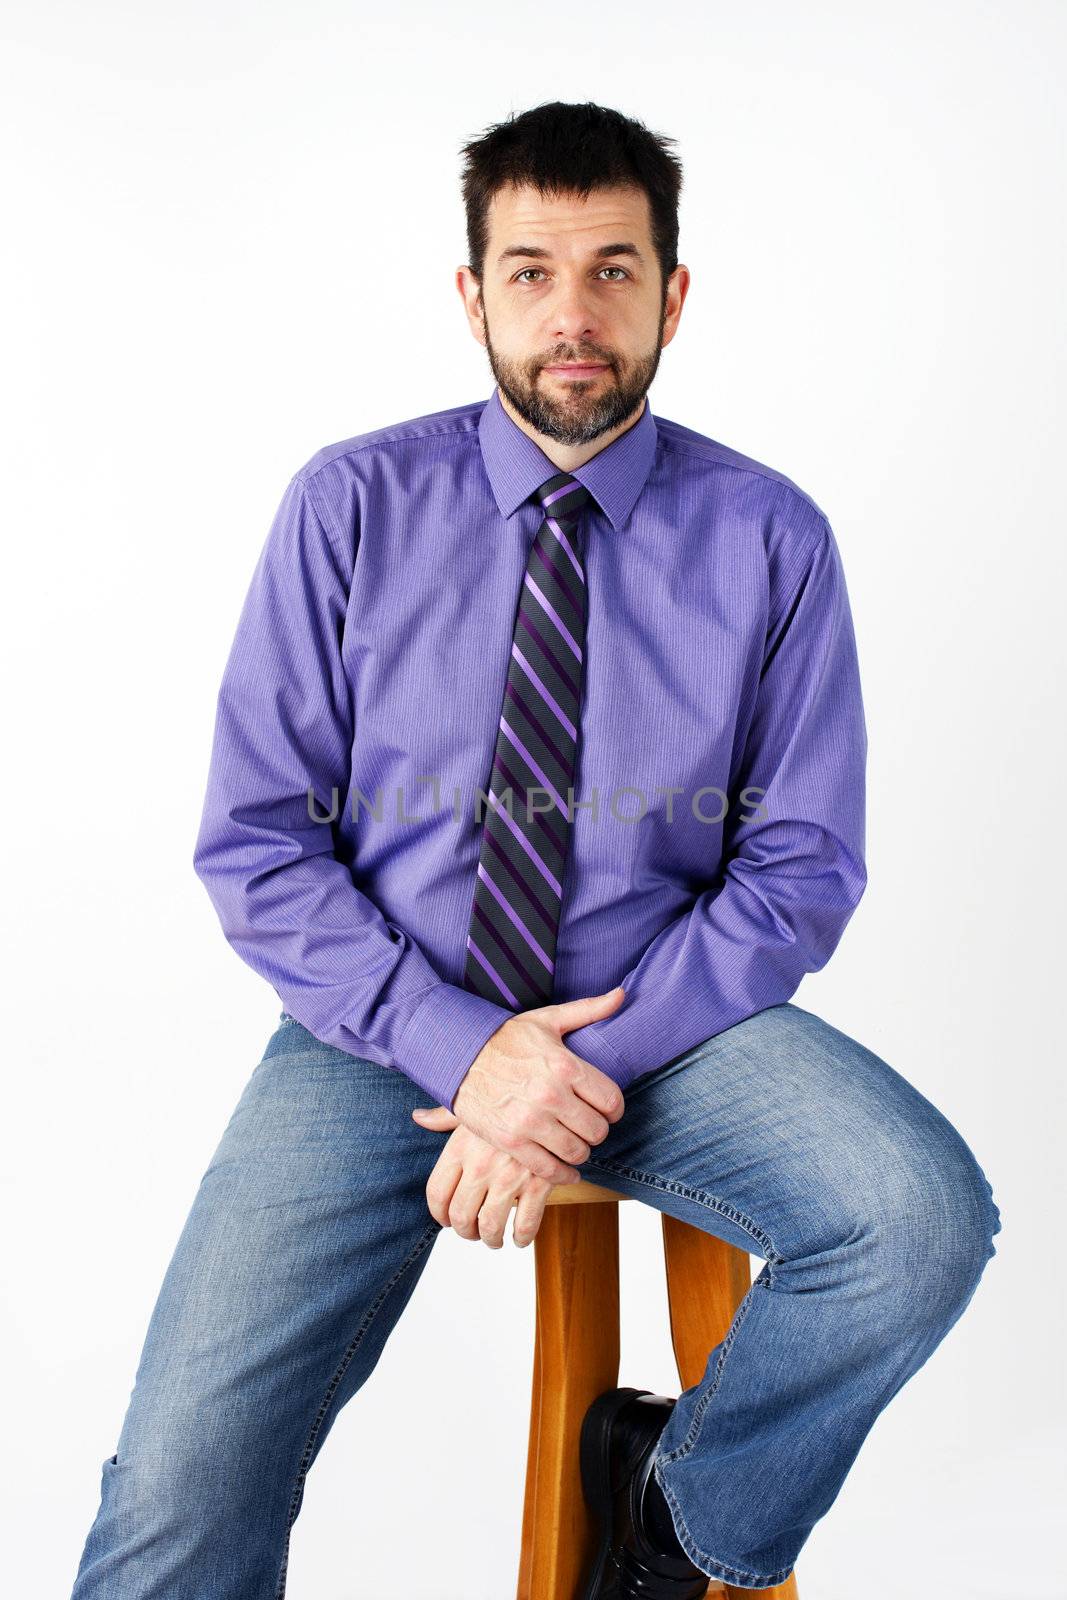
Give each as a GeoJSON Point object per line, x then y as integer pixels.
{"type": "Point", "coordinates": [574, 316]}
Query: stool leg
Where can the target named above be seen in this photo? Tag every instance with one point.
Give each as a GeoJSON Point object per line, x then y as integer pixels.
{"type": "Point", "coordinates": [706, 1281]}
{"type": "Point", "coordinates": [576, 1357]}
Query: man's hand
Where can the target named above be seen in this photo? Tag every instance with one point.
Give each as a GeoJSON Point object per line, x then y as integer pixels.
{"type": "Point", "coordinates": [531, 1098]}
{"type": "Point", "coordinates": [473, 1187]}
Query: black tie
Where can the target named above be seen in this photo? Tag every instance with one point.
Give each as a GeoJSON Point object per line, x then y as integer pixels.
{"type": "Point", "coordinates": [511, 946]}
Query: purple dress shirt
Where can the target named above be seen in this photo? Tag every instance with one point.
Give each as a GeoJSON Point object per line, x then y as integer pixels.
{"type": "Point", "coordinates": [717, 851]}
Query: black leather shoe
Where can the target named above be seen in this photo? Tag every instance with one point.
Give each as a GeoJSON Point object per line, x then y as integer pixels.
{"type": "Point", "coordinates": [620, 1433]}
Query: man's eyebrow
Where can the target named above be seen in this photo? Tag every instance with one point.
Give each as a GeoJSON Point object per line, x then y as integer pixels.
{"type": "Point", "coordinates": [540, 254]}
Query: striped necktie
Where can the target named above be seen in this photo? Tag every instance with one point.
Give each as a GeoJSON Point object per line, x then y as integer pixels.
{"type": "Point", "coordinates": [511, 946]}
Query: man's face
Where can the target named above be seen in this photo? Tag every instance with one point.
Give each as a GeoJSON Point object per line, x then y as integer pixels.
{"type": "Point", "coordinates": [570, 280]}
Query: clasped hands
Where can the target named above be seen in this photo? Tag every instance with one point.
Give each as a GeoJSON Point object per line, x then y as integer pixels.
{"type": "Point", "coordinates": [527, 1108]}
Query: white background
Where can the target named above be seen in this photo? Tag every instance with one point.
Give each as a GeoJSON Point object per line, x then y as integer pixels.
{"type": "Point", "coordinates": [232, 233]}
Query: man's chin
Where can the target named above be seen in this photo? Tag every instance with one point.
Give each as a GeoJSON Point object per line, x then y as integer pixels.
{"type": "Point", "coordinates": [574, 397]}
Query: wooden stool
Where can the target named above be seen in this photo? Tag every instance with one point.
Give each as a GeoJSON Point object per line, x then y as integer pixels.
{"type": "Point", "coordinates": [576, 1357]}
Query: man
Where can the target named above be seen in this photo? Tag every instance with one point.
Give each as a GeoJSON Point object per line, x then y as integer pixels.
{"type": "Point", "coordinates": [537, 786]}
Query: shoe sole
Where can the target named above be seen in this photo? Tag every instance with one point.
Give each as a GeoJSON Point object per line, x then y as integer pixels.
{"type": "Point", "coordinates": [595, 1457]}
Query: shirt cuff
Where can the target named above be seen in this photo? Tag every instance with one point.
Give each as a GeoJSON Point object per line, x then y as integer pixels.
{"type": "Point", "coordinates": [599, 1052]}
{"type": "Point", "coordinates": [443, 1038]}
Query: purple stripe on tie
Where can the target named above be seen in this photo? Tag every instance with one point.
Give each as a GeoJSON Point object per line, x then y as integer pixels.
{"type": "Point", "coordinates": [497, 979]}
{"type": "Point", "coordinates": [532, 764]}
{"type": "Point", "coordinates": [502, 812]}
{"type": "Point", "coordinates": [557, 494]}
{"type": "Point", "coordinates": [508, 866]}
{"type": "Point", "coordinates": [532, 675]}
{"type": "Point", "coordinates": [531, 627]}
{"type": "Point", "coordinates": [537, 819]}
{"type": "Point", "coordinates": [566, 543]}
{"type": "Point", "coordinates": [481, 917]}
{"type": "Point", "coordinates": [512, 914]}
{"type": "Point", "coordinates": [527, 710]}
{"type": "Point", "coordinates": [556, 618]}
{"type": "Point", "coordinates": [560, 576]}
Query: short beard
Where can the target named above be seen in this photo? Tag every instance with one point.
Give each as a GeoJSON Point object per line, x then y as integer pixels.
{"type": "Point", "coordinates": [578, 420]}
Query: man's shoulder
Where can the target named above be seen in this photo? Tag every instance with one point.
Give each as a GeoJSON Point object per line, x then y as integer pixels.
{"type": "Point", "coordinates": [698, 453]}
{"type": "Point", "coordinates": [765, 488]}
{"type": "Point", "coordinates": [457, 423]}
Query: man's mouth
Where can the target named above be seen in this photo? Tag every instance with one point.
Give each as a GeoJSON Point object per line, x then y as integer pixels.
{"type": "Point", "coordinates": [577, 369]}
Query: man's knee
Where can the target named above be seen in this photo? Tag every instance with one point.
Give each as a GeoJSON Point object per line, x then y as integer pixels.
{"type": "Point", "coordinates": [935, 1219]}
{"type": "Point", "coordinates": [198, 1472]}
{"type": "Point", "coordinates": [183, 1517]}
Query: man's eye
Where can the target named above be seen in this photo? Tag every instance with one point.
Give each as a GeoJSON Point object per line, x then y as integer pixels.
{"type": "Point", "coordinates": [522, 274]}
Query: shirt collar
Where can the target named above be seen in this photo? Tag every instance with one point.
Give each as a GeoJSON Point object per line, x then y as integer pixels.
{"type": "Point", "coordinates": [516, 466]}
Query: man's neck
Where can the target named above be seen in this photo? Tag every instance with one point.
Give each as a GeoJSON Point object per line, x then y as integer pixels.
{"type": "Point", "coordinates": [568, 456]}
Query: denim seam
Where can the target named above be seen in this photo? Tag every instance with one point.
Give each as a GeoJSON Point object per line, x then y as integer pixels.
{"type": "Point", "coordinates": [714, 1567]}
{"type": "Point", "coordinates": [718, 1569]}
{"type": "Point", "coordinates": [710, 1202]}
{"type": "Point", "coordinates": [680, 1452]}
{"type": "Point", "coordinates": [369, 1315]}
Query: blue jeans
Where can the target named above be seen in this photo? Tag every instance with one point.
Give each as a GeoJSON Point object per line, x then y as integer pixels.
{"type": "Point", "coordinates": [310, 1229]}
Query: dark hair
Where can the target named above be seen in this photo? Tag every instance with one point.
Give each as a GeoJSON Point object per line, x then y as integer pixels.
{"type": "Point", "coordinates": [560, 148]}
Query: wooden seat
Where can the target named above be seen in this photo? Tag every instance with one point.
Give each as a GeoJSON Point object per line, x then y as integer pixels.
{"type": "Point", "coordinates": [576, 1357]}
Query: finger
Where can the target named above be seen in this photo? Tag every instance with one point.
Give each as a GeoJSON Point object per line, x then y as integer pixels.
{"type": "Point", "coordinates": [568, 1014]}
{"type": "Point", "coordinates": [529, 1211]}
{"type": "Point", "coordinates": [441, 1186]}
{"type": "Point", "coordinates": [536, 1158]}
{"type": "Point", "coordinates": [596, 1089]}
{"type": "Point", "coordinates": [582, 1119]}
{"type": "Point", "coordinates": [467, 1202]}
{"type": "Point", "coordinates": [543, 1164]}
{"type": "Point", "coordinates": [544, 1123]}
{"type": "Point", "coordinates": [437, 1118]}
{"type": "Point", "coordinates": [493, 1216]}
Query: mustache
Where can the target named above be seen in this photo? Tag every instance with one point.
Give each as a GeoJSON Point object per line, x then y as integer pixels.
{"type": "Point", "coordinates": [577, 360]}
